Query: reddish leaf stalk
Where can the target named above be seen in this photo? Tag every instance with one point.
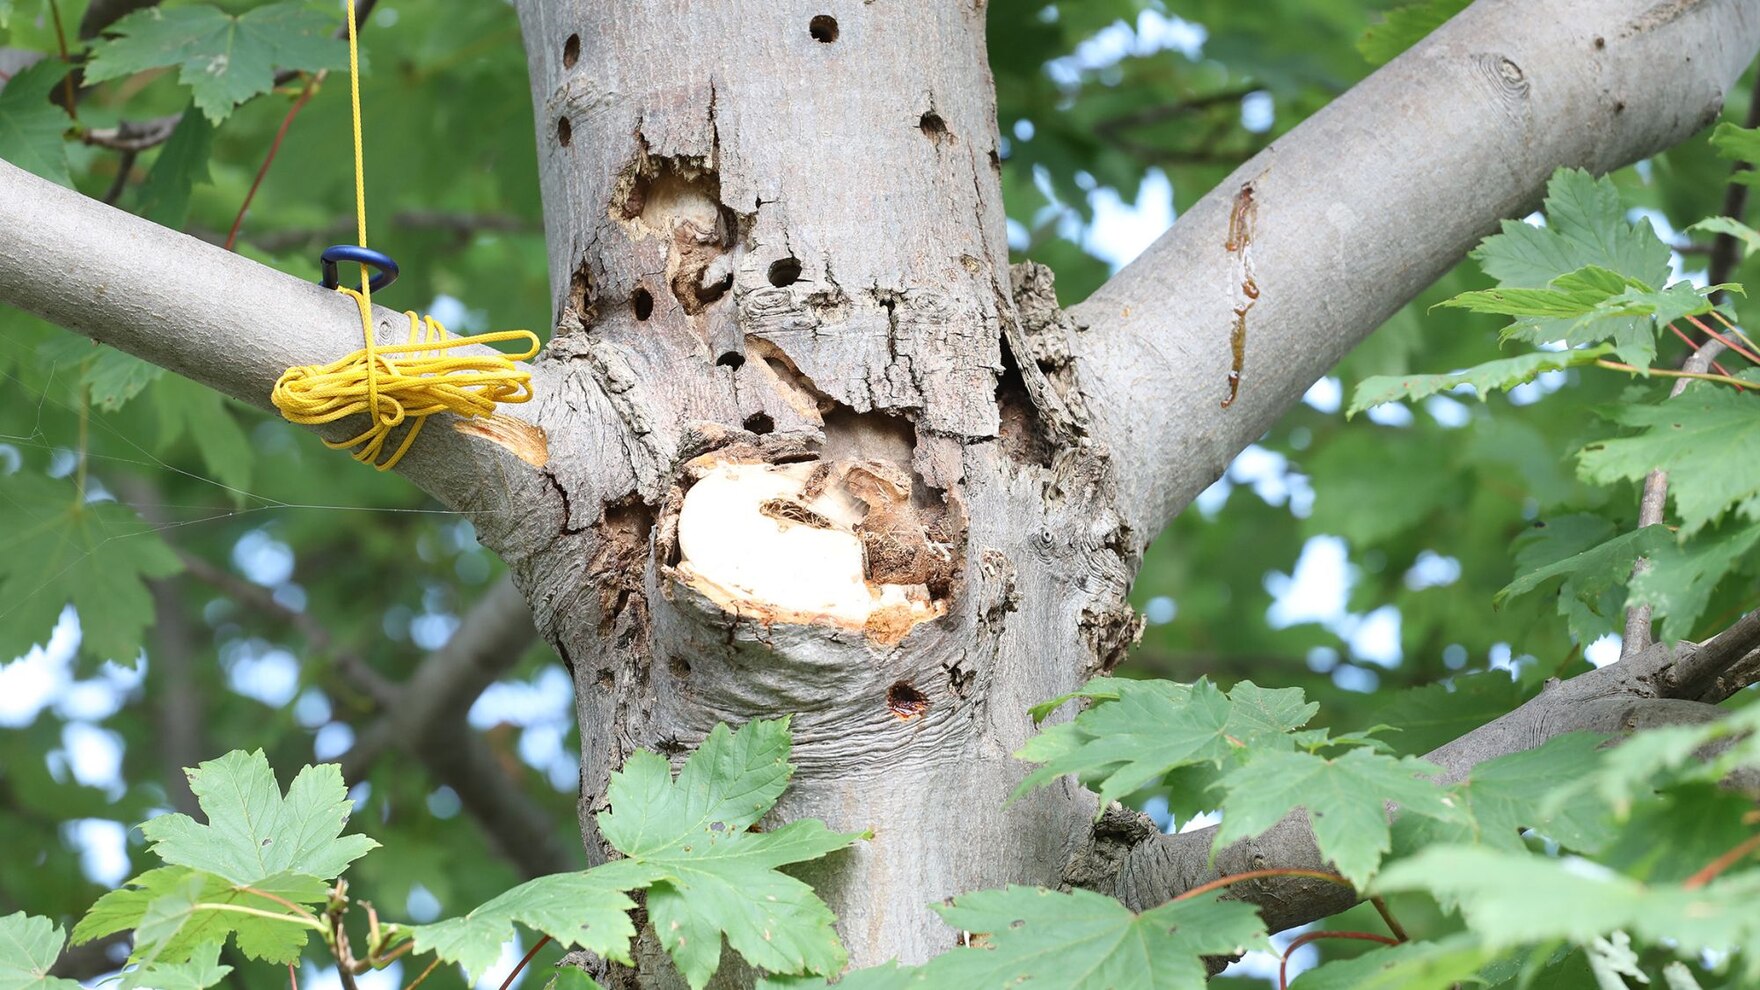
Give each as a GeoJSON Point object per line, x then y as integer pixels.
{"type": "Point", "coordinates": [305, 94]}
{"type": "Point", "coordinates": [522, 963]}
{"type": "Point", "coordinates": [1725, 341]}
{"type": "Point", "coordinates": [418, 980]}
{"type": "Point", "coordinates": [1221, 882]}
{"type": "Point", "coordinates": [1690, 342]}
{"type": "Point", "coordinates": [1393, 925]}
{"type": "Point", "coordinates": [1723, 862]}
{"type": "Point", "coordinates": [1298, 942]}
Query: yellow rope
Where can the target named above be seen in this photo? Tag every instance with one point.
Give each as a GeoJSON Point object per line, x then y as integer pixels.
{"type": "Point", "coordinates": [402, 382]}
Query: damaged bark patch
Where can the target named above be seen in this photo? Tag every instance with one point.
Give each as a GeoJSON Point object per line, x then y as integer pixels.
{"type": "Point", "coordinates": [527, 441]}
{"type": "Point", "coordinates": [1240, 244]}
{"type": "Point", "coordinates": [619, 567]}
{"type": "Point", "coordinates": [824, 542]}
{"type": "Point", "coordinates": [679, 200]}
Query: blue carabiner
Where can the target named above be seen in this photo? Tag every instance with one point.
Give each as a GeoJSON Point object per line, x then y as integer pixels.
{"type": "Point", "coordinates": [381, 263]}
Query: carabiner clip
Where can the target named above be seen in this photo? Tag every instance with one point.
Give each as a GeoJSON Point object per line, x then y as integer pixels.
{"type": "Point", "coordinates": [380, 263]}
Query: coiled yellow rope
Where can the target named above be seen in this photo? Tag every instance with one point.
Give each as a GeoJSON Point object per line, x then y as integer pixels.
{"type": "Point", "coordinates": [401, 382]}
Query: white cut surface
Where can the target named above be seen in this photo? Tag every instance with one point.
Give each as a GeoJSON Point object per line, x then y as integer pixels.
{"type": "Point", "coordinates": [738, 556]}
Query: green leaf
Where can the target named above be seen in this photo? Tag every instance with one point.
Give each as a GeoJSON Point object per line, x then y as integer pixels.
{"type": "Point", "coordinates": [1500, 375]}
{"type": "Point", "coordinates": [28, 947]}
{"type": "Point", "coordinates": [1511, 899]}
{"type": "Point", "coordinates": [195, 974]}
{"type": "Point", "coordinates": [1501, 797]}
{"type": "Point", "coordinates": [1588, 593]}
{"type": "Point", "coordinates": [687, 842]}
{"type": "Point", "coordinates": [1669, 754]}
{"type": "Point", "coordinates": [1748, 237]}
{"type": "Point", "coordinates": [1155, 727]}
{"type": "Point", "coordinates": [1740, 144]}
{"type": "Point", "coordinates": [1586, 229]}
{"type": "Point", "coordinates": [253, 833]}
{"type": "Point", "coordinates": [182, 162]}
{"type": "Point", "coordinates": [182, 888]}
{"type": "Point", "coordinates": [114, 377]}
{"type": "Point", "coordinates": [1707, 439]}
{"type": "Point", "coordinates": [224, 60]}
{"type": "Point", "coordinates": [715, 879]}
{"type": "Point", "coordinates": [1345, 798]}
{"type": "Point", "coordinates": [1678, 579]}
{"type": "Point", "coordinates": [31, 127]}
{"type": "Point", "coordinates": [1403, 27]}
{"type": "Point", "coordinates": [579, 910]}
{"type": "Point", "coordinates": [188, 409]}
{"type": "Point", "coordinates": [1434, 714]}
{"type": "Point", "coordinates": [1438, 965]}
{"type": "Point", "coordinates": [1081, 940]}
{"type": "Point", "coordinates": [58, 550]}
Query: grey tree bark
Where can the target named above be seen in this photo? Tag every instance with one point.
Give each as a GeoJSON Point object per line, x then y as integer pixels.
{"type": "Point", "coordinates": [778, 259]}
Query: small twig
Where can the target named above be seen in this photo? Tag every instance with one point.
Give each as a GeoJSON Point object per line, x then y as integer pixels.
{"type": "Point", "coordinates": [1690, 342]}
{"type": "Point", "coordinates": [1301, 940]}
{"type": "Point", "coordinates": [1725, 341]}
{"type": "Point", "coordinates": [123, 167]}
{"type": "Point", "coordinates": [305, 94]}
{"type": "Point", "coordinates": [133, 135]}
{"type": "Point", "coordinates": [68, 93]}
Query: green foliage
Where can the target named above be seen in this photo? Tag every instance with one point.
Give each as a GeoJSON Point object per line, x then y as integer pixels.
{"type": "Point", "coordinates": [1708, 440]}
{"type": "Point", "coordinates": [1500, 375]}
{"type": "Point", "coordinates": [1590, 564]}
{"type": "Point", "coordinates": [1741, 144]}
{"type": "Point", "coordinates": [28, 947]}
{"type": "Point", "coordinates": [1404, 26]}
{"type": "Point", "coordinates": [31, 127]}
{"type": "Point", "coordinates": [183, 162]}
{"type": "Point", "coordinates": [223, 59]}
{"type": "Point", "coordinates": [1438, 965]}
{"type": "Point", "coordinates": [64, 550]}
{"type": "Point", "coordinates": [688, 843]}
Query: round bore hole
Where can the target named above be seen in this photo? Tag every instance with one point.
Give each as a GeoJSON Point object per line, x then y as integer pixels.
{"type": "Point", "coordinates": [564, 131]}
{"type": "Point", "coordinates": [823, 28]}
{"type": "Point", "coordinates": [731, 359]}
{"type": "Point", "coordinates": [571, 51]}
{"type": "Point", "coordinates": [759, 423]}
{"type": "Point", "coordinates": [785, 271]}
{"type": "Point", "coordinates": [643, 303]}
{"type": "Point", "coordinates": [932, 125]}
{"type": "Point", "coordinates": [906, 701]}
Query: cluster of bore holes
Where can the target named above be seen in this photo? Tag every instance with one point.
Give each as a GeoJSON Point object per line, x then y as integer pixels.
{"type": "Point", "coordinates": [571, 53]}
{"type": "Point", "coordinates": [823, 28]}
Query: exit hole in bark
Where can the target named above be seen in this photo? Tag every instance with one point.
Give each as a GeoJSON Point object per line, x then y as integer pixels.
{"type": "Point", "coordinates": [571, 51]}
{"type": "Point", "coordinates": [933, 127]}
{"type": "Point", "coordinates": [564, 131]}
{"type": "Point", "coordinates": [759, 423]}
{"type": "Point", "coordinates": [642, 301]}
{"type": "Point", "coordinates": [906, 701]}
{"type": "Point", "coordinates": [823, 28]}
{"type": "Point", "coordinates": [731, 359]}
{"type": "Point", "coordinates": [785, 272]}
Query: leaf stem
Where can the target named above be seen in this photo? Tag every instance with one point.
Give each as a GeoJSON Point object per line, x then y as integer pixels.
{"type": "Point", "coordinates": [305, 94]}
{"type": "Point", "coordinates": [522, 963]}
{"type": "Point", "coordinates": [1721, 863]}
{"type": "Point", "coordinates": [1670, 373]}
{"type": "Point", "coordinates": [1725, 341]}
{"type": "Point", "coordinates": [418, 980]}
{"type": "Point", "coordinates": [67, 80]}
{"type": "Point", "coordinates": [303, 922]}
{"type": "Point", "coordinates": [1235, 878]}
{"type": "Point", "coordinates": [1301, 940]}
{"type": "Point", "coordinates": [1393, 925]}
{"type": "Point", "coordinates": [298, 909]}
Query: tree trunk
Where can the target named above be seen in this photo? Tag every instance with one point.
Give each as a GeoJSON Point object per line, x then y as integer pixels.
{"type": "Point", "coordinates": [777, 238]}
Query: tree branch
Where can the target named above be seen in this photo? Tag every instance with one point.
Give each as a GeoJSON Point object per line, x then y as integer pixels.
{"type": "Point", "coordinates": [426, 719]}
{"type": "Point", "coordinates": [219, 319]}
{"type": "Point", "coordinates": [1365, 204]}
{"type": "Point", "coordinates": [1656, 687]}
